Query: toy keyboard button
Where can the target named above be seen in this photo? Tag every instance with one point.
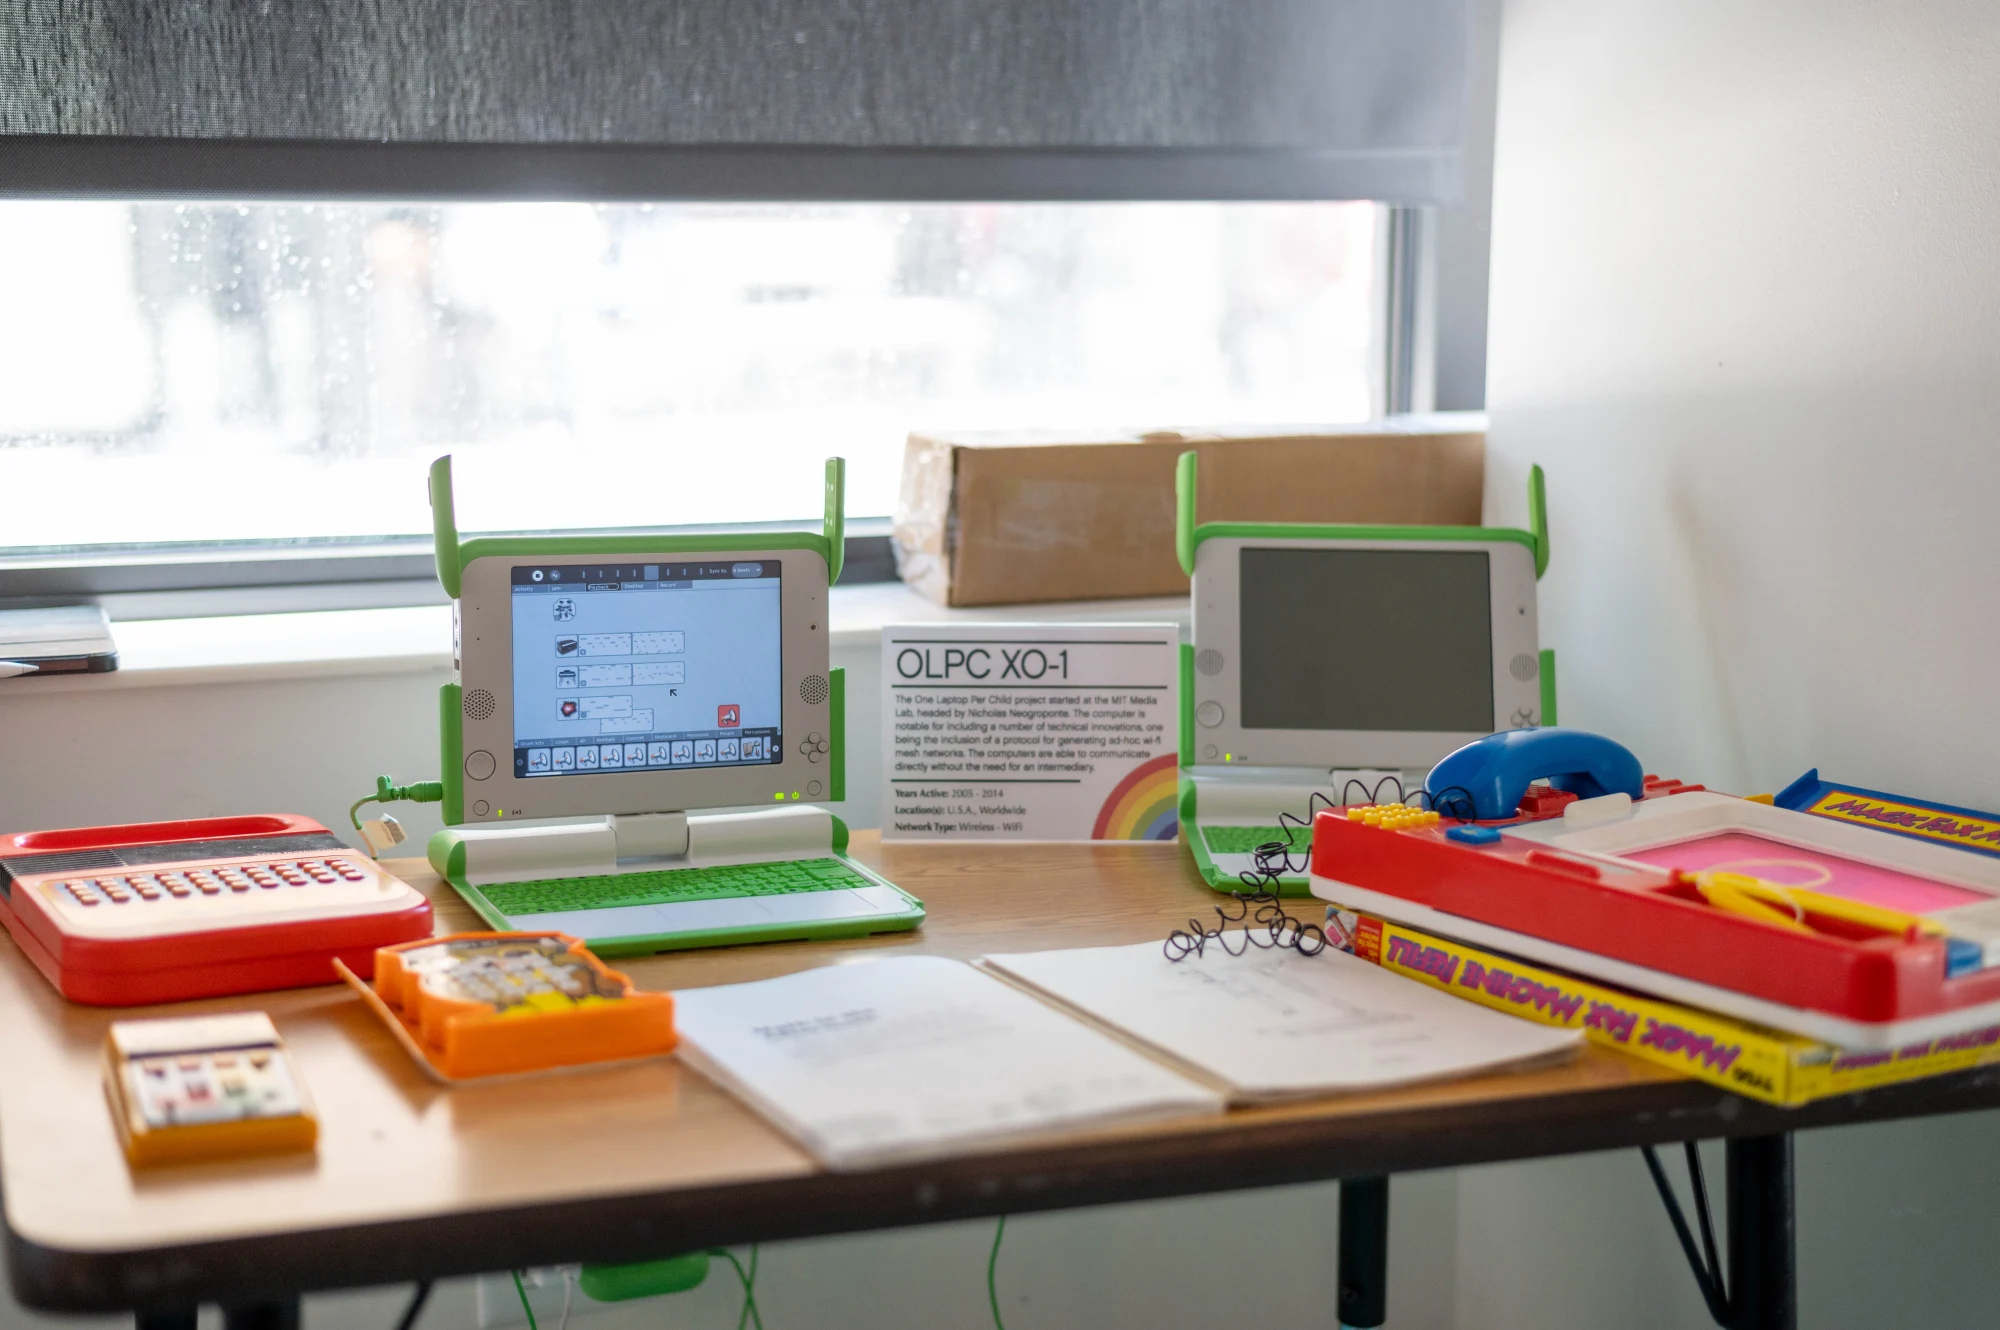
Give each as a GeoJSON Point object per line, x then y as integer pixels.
{"type": "Point", "coordinates": [148, 893]}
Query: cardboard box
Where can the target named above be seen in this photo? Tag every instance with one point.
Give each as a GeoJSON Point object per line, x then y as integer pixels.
{"type": "Point", "coordinates": [1771, 1065]}
{"type": "Point", "coordinates": [1020, 516]}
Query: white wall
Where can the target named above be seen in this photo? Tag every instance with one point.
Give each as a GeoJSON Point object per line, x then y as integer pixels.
{"type": "Point", "coordinates": [1746, 311]}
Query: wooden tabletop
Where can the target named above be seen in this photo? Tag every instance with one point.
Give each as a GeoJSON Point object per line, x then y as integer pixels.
{"type": "Point", "coordinates": [412, 1179]}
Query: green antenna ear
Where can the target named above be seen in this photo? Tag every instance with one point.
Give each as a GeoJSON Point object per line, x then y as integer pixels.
{"type": "Point", "coordinates": [1184, 491]}
{"type": "Point", "coordinates": [834, 523]}
{"type": "Point", "coordinates": [444, 526]}
{"type": "Point", "coordinates": [1538, 518]}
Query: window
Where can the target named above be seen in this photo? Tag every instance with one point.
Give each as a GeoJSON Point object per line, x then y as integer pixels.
{"type": "Point", "coordinates": [272, 373]}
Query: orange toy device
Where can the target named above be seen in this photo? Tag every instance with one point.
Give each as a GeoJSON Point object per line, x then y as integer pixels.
{"type": "Point", "coordinates": [486, 1004]}
{"type": "Point", "coordinates": [208, 1087]}
{"type": "Point", "coordinates": [167, 911]}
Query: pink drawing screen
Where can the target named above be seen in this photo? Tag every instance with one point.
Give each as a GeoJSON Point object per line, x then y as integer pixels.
{"type": "Point", "coordinates": [1794, 866]}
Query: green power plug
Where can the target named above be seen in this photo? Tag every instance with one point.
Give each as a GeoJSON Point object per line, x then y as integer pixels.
{"type": "Point", "coordinates": [385, 831]}
{"type": "Point", "coordinates": [643, 1279]}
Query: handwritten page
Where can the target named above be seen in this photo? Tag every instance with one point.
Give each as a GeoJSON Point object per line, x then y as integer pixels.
{"type": "Point", "coordinates": [888, 1060]}
{"type": "Point", "coordinates": [1274, 1024]}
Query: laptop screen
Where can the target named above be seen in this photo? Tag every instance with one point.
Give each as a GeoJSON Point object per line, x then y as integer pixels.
{"type": "Point", "coordinates": [1366, 639]}
{"type": "Point", "coordinates": [646, 666]}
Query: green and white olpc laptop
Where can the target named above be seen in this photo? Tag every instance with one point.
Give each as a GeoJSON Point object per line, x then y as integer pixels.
{"type": "Point", "coordinates": [1343, 661]}
{"type": "Point", "coordinates": [628, 681]}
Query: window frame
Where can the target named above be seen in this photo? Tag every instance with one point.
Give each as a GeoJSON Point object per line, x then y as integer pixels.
{"type": "Point", "coordinates": [198, 579]}
{"type": "Point", "coordinates": [246, 577]}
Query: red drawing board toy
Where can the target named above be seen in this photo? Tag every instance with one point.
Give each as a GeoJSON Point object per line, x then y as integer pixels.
{"type": "Point", "coordinates": [1862, 940]}
{"type": "Point", "coordinates": [168, 911]}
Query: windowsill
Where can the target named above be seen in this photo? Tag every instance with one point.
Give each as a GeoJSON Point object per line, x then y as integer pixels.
{"type": "Point", "coordinates": [160, 653]}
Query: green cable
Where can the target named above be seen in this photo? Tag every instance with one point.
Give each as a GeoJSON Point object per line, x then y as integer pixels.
{"type": "Point", "coordinates": [524, 1300]}
{"type": "Point", "coordinates": [388, 792]}
{"type": "Point", "coordinates": [750, 1313]}
{"type": "Point", "coordinates": [992, 1265]}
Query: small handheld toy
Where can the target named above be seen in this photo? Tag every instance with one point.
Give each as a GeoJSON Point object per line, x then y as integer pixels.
{"type": "Point", "coordinates": [490, 1004]}
{"type": "Point", "coordinates": [213, 1087]}
{"type": "Point", "coordinates": [1791, 920]}
{"type": "Point", "coordinates": [169, 911]}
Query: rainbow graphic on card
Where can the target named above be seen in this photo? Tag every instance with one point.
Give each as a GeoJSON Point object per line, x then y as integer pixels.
{"type": "Point", "coordinates": [1143, 805]}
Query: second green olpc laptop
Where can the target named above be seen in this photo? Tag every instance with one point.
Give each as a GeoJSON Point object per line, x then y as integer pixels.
{"type": "Point", "coordinates": [640, 684]}
{"type": "Point", "coordinates": [1343, 662]}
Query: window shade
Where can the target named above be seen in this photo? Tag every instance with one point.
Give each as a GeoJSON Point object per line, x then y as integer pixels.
{"type": "Point", "coordinates": [795, 99]}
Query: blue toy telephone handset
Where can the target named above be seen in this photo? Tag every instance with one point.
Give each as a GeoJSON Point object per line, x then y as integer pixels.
{"type": "Point", "coordinates": [1495, 772]}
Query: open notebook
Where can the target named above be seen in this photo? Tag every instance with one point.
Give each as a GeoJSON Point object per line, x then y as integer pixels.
{"type": "Point", "coordinates": [887, 1060]}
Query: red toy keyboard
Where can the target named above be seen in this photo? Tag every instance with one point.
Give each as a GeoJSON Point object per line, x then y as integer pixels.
{"type": "Point", "coordinates": [1626, 900]}
{"type": "Point", "coordinates": [168, 911]}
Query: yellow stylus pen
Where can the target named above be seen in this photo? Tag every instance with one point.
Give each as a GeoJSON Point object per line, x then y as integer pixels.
{"type": "Point", "coordinates": [1735, 893]}
{"type": "Point", "coordinates": [1743, 894]}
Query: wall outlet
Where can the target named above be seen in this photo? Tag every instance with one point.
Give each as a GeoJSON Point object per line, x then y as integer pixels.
{"type": "Point", "coordinates": [545, 1285]}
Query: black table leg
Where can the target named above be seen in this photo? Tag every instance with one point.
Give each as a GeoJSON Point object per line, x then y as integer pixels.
{"type": "Point", "coordinates": [1763, 1248]}
{"type": "Point", "coordinates": [182, 1319]}
{"type": "Point", "coordinates": [1364, 1252]}
{"type": "Point", "coordinates": [262, 1316]}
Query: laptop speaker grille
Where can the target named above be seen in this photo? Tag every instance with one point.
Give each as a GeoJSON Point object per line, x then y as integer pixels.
{"type": "Point", "coordinates": [1209, 661]}
{"type": "Point", "coordinates": [812, 689]}
{"type": "Point", "coordinates": [478, 704]}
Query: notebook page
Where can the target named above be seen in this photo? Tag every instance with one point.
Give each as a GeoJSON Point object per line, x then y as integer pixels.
{"type": "Point", "coordinates": [906, 1057]}
{"type": "Point", "coordinates": [1274, 1024]}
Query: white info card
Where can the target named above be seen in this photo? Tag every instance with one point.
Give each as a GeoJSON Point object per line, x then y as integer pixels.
{"type": "Point", "coordinates": [1030, 732]}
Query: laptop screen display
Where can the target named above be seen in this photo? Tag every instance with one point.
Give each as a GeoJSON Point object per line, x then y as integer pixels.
{"type": "Point", "coordinates": [1366, 639]}
{"type": "Point", "coordinates": [646, 667]}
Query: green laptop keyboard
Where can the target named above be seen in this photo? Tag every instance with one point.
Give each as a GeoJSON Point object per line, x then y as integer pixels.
{"type": "Point", "coordinates": [1246, 840]}
{"type": "Point", "coordinates": [671, 886]}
